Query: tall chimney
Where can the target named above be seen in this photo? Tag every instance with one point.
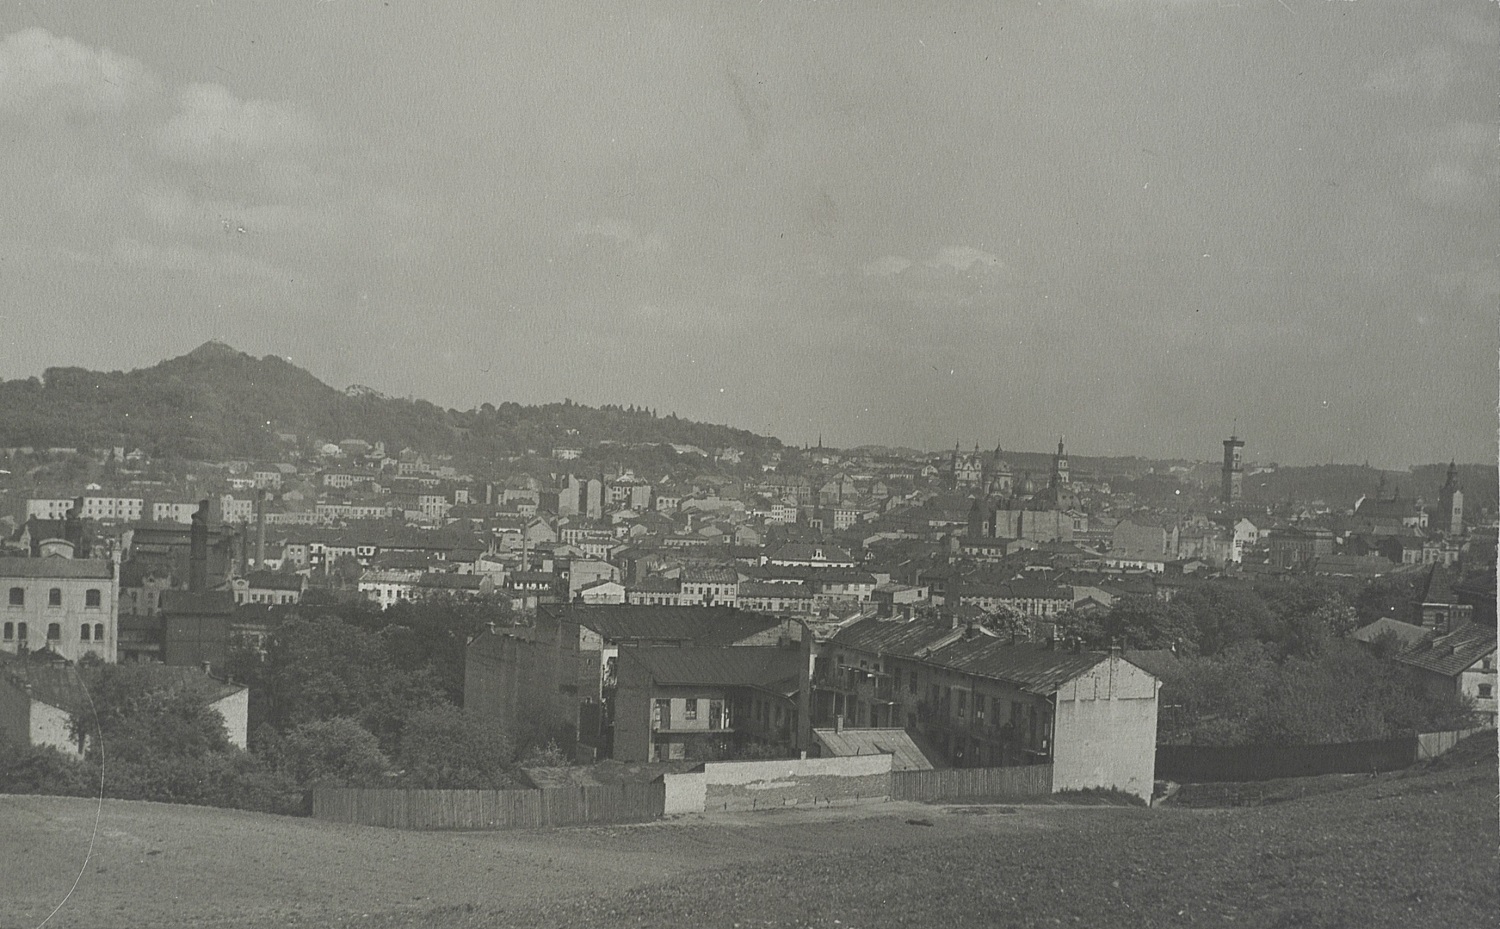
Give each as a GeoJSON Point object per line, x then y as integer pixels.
{"type": "Point", "coordinates": [804, 692]}
{"type": "Point", "coordinates": [260, 530]}
{"type": "Point", "coordinates": [73, 528]}
{"type": "Point", "coordinates": [198, 553]}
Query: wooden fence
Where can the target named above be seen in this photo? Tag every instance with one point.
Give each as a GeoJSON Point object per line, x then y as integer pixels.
{"type": "Point", "coordinates": [490, 809]}
{"type": "Point", "coordinates": [1433, 744]}
{"type": "Point", "coordinates": [959, 784]}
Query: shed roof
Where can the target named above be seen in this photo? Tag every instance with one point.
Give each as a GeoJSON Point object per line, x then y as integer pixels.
{"type": "Point", "coordinates": [630, 622]}
{"type": "Point", "coordinates": [743, 666]}
{"type": "Point", "coordinates": [907, 754]}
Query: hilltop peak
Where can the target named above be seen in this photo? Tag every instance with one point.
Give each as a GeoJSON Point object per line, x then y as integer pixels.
{"type": "Point", "coordinates": [213, 349]}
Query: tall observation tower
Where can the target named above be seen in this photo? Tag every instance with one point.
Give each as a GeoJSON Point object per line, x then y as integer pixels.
{"type": "Point", "coordinates": [1232, 475]}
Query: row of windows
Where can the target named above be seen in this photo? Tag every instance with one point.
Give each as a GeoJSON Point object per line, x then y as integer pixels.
{"type": "Point", "coordinates": [86, 632]}
{"type": "Point", "coordinates": [92, 598]}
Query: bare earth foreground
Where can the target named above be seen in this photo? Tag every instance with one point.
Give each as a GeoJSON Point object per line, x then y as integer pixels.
{"type": "Point", "coordinates": [1410, 849]}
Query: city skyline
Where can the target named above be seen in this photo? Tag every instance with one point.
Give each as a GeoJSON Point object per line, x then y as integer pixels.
{"type": "Point", "coordinates": [1145, 226]}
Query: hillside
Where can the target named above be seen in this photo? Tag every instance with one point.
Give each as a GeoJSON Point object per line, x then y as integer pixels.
{"type": "Point", "coordinates": [216, 402]}
{"type": "Point", "coordinates": [1410, 848]}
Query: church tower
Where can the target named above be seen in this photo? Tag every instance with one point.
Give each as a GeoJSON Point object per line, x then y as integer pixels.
{"type": "Point", "coordinates": [1450, 514]}
{"type": "Point", "coordinates": [1232, 474]}
{"type": "Point", "coordinates": [1060, 466]}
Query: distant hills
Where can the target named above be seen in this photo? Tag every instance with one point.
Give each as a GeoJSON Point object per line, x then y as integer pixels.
{"type": "Point", "coordinates": [216, 402]}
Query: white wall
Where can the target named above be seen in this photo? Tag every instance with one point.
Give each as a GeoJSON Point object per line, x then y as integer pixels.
{"type": "Point", "coordinates": [235, 709]}
{"type": "Point", "coordinates": [49, 726]}
{"type": "Point", "coordinates": [1104, 731]}
{"type": "Point", "coordinates": [685, 793]}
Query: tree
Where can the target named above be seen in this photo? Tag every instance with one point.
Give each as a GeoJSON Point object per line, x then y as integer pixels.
{"type": "Point", "coordinates": [444, 747]}
{"type": "Point", "coordinates": [336, 752]}
{"type": "Point", "coordinates": [324, 668]}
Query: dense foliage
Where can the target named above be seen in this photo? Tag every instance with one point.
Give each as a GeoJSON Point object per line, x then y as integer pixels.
{"type": "Point", "coordinates": [1271, 663]}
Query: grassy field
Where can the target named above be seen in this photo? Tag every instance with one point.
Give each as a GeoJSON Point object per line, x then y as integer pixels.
{"type": "Point", "coordinates": [1407, 849]}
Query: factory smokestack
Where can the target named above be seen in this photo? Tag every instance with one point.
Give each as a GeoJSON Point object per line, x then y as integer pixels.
{"type": "Point", "coordinates": [198, 553]}
{"type": "Point", "coordinates": [260, 529]}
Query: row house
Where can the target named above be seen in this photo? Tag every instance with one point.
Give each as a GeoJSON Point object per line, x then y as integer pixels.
{"type": "Point", "coordinates": [562, 672]}
{"type": "Point", "coordinates": [268, 588]}
{"type": "Point", "coordinates": [984, 701]}
{"type": "Point", "coordinates": [389, 586]}
{"type": "Point", "coordinates": [1029, 598]}
{"type": "Point", "coordinates": [794, 599]}
{"type": "Point", "coordinates": [675, 704]}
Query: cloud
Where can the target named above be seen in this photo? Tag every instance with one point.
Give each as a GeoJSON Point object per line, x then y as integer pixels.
{"type": "Point", "coordinates": [213, 125]}
{"type": "Point", "coordinates": [962, 258]}
{"type": "Point", "coordinates": [37, 67]}
{"type": "Point", "coordinates": [134, 253]}
{"type": "Point", "coordinates": [1454, 166]}
{"type": "Point", "coordinates": [622, 234]}
{"type": "Point", "coordinates": [1430, 71]}
{"type": "Point", "coordinates": [883, 267]}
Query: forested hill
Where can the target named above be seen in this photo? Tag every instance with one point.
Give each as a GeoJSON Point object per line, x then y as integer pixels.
{"type": "Point", "coordinates": [215, 403]}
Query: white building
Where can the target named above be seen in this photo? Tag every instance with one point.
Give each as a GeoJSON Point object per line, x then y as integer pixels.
{"type": "Point", "coordinates": [70, 606]}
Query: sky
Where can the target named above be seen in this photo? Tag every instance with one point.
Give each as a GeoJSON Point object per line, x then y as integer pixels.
{"type": "Point", "coordinates": [1142, 225]}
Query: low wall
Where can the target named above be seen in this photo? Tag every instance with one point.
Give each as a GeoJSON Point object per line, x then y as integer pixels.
{"type": "Point", "coordinates": [759, 785]}
{"type": "Point", "coordinates": [685, 793]}
{"type": "Point", "coordinates": [489, 809]}
{"type": "Point", "coordinates": [959, 784]}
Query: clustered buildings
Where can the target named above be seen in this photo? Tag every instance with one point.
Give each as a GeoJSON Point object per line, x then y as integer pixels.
{"type": "Point", "coordinates": [816, 588]}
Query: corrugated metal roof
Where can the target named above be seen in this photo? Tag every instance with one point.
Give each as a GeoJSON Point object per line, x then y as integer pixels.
{"type": "Point", "coordinates": [727, 666]}
{"type": "Point", "coordinates": [1026, 665]}
{"type": "Point", "coordinates": [1035, 668]}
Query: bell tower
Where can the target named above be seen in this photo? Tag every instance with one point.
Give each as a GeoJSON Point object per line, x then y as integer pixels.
{"type": "Point", "coordinates": [1232, 474]}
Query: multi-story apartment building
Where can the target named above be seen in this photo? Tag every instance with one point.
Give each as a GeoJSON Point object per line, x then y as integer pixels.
{"type": "Point", "coordinates": [68, 605]}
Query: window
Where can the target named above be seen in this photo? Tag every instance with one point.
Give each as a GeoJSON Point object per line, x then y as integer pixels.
{"type": "Point", "coordinates": [21, 631]}
{"type": "Point", "coordinates": [963, 700]}
{"type": "Point", "coordinates": [54, 631]}
{"type": "Point", "coordinates": [10, 631]}
{"type": "Point", "coordinates": [17, 596]}
{"type": "Point", "coordinates": [98, 632]}
{"type": "Point", "coordinates": [690, 709]}
{"type": "Point", "coordinates": [83, 631]}
{"type": "Point", "coordinates": [1486, 691]}
{"type": "Point", "coordinates": [54, 597]}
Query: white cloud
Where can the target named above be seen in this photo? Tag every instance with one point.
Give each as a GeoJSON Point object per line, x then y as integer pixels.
{"type": "Point", "coordinates": [962, 258]}
{"type": "Point", "coordinates": [134, 253]}
{"type": "Point", "coordinates": [212, 124]}
{"type": "Point", "coordinates": [1429, 71]}
{"type": "Point", "coordinates": [623, 234]}
{"type": "Point", "coordinates": [883, 267]}
{"type": "Point", "coordinates": [1454, 166]}
{"type": "Point", "coordinates": [38, 67]}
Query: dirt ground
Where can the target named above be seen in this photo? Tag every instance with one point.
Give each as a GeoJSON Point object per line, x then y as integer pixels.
{"type": "Point", "coordinates": [1394, 852]}
{"type": "Point", "coordinates": [162, 865]}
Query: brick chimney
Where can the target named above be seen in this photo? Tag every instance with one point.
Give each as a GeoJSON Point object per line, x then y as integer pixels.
{"type": "Point", "coordinates": [198, 552]}
{"type": "Point", "coordinates": [260, 529]}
